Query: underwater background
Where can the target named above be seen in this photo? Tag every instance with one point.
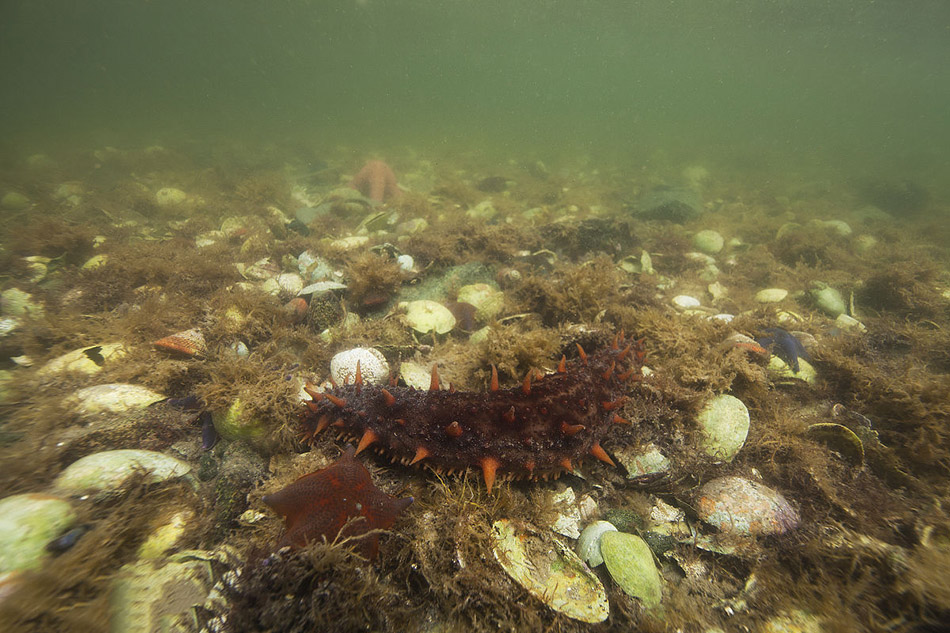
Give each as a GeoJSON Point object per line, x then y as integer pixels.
{"type": "Point", "coordinates": [409, 315]}
{"type": "Point", "coordinates": [854, 85]}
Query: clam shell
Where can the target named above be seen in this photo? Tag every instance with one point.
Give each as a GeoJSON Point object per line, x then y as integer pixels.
{"type": "Point", "coordinates": [549, 571]}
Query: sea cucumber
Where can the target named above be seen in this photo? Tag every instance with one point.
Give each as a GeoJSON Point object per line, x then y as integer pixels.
{"type": "Point", "coordinates": [541, 428]}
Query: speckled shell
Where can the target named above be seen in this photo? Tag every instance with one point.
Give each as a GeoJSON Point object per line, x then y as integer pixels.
{"type": "Point", "coordinates": [188, 342]}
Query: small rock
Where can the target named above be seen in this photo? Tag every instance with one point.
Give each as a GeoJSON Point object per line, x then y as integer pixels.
{"type": "Point", "coordinates": [588, 545]}
{"type": "Point", "coordinates": [724, 424]}
{"type": "Point", "coordinates": [738, 506]}
{"type": "Point", "coordinates": [771, 295]}
{"type": "Point", "coordinates": [709, 241]}
{"type": "Point", "coordinates": [829, 300]}
{"type": "Point", "coordinates": [27, 523]}
{"type": "Point", "coordinates": [109, 470]}
{"type": "Point", "coordinates": [374, 368]}
{"type": "Point", "coordinates": [630, 563]}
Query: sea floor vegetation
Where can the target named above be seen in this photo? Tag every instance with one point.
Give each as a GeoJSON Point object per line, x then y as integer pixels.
{"type": "Point", "coordinates": [268, 267]}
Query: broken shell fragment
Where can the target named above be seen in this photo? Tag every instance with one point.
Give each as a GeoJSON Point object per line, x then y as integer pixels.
{"type": "Point", "coordinates": [187, 342]}
{"type": "Point", "coordinates": [549, 571]}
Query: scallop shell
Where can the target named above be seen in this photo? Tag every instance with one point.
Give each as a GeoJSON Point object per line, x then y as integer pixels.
{"type": "Point", "coordinates": [188, 342]}
{"type": "Point", "coordinates": [550, 572]}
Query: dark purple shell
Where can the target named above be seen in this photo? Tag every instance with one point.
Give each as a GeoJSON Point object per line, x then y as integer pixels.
{"type": "Point", "coordinates": [539, 430]}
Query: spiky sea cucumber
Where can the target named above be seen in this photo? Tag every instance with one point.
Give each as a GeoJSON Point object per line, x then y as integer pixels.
{"type": "Point", "coordinates": [539, 429]}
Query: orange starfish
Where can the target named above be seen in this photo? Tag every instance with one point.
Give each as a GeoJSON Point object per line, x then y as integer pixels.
{"type": "Point", "coordinates": [377, 181]}
{"type": "Point", "coordinates": [320, 504]}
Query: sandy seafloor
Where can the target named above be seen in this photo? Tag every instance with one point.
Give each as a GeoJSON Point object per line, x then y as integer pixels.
{"type": "Point", "coordinates": [127, 246]}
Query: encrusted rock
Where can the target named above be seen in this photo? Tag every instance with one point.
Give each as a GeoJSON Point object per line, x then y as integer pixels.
{"type": "Point", "coordinates": [738, 506]}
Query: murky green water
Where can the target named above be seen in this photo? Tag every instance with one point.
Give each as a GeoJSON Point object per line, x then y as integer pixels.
{"type": "Point", "coordinates": [866, 84]}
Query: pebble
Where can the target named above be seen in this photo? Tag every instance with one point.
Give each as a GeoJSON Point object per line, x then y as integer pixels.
{"type": "Point", "coordinates": [374, 368]}
{"type": "Point", "coordinates": [685, 302]}
{"type": "Point", "coordinates": [27, 523]}
{"type": "Point", "coordinates": [113, 398]}
{"type": "Point", "coordinates": [724, 425]}
{"type": "Point", "coordinates": [829, 300]}
{"type": "Point", "coordinates": [771, 295]}
{"type": "Point", "coordinates": [709, 241]}
{"type": "Point", "coordinates": [630, 562]}
{"type": "Point", "coordinates": [738, 506]}
{"type": "Point", "coordinates": [549, 571]}
{"type": "Point", "coordinates": [588, 545]}
{"type": "Point", "coordinates": [109, 470]}
{"type": "Point", "coordinates": [426, 316]}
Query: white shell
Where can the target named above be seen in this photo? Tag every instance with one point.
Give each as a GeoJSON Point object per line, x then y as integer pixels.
{"type": "Point", "coordinates": [685, 302]}
{"type": "Point", "coordinates": [114, 398]}
{"type": "Point", "coordinates": [108, 470]}
{"type": "Point", "coordinates": [374, 368]}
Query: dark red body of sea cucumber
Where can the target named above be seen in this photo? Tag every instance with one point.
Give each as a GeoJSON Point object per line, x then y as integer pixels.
{"type": "Point", "coordinates": [542, 428]}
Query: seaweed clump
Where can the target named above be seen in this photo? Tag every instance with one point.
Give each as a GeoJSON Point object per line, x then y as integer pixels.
{"type": "Point", "coordinates": [322, 587]}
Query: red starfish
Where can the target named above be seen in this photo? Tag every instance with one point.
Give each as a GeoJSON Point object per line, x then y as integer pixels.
{"type": "Point", "coordinates": [377, 181]}
{"type": "Point", "coordinates": [319, 505]}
